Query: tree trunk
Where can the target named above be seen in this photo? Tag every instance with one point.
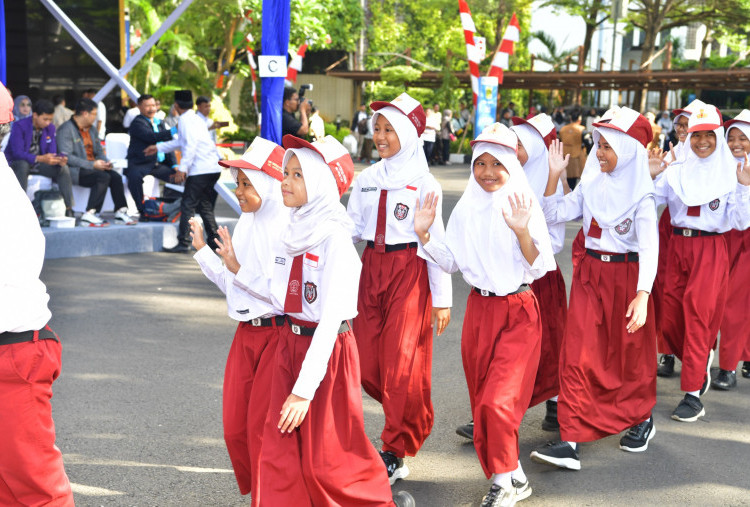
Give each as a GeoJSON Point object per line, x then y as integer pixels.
{"type": "Point", "coordinates": [649, 47]}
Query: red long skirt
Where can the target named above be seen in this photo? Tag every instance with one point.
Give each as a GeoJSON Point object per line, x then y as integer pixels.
{"type": "Point", "coordinates": [553, 308]}
{"type": "Point", "coordinates": [734, 344]}
{"type": "Point", "coordinates": [578, 249]}
{"type": "Point", "coordinates": [394, 338]}
{"type": "Point", "coordinates": [657, 293]}
{"type": "Point", "coordinates": [247, 384]}
{"type": "Point", "coordinates": [328, 460]}
{"type": "Point", "coordinates": [500, 348]}
{"type": "Point", "coordinates": [607, 376]}
{"type": "Point", "coordinates": [695, 288]}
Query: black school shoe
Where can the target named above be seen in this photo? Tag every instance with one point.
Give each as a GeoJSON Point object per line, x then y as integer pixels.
{"type": "Point", "coordinates": [559, 454]}
{"type": "Point", "coordinates": [689, 409]}
{"type": "Point", "coordinates": [466, 430]}
{"type": "Point", "coordinates": [549, 423]}
{"type": "Point", "coordinates": [395, 466]}
{"type": "Point", "coordinates": [666, 366]}
{"type": "Point", "coordinates": [404, 499]}
{"type": "Point", "coordinates": [638, 437]}
{"type": "Point", "coordinates": [746, 369]}
{"type": "Point", "coordinates": [725, 380]}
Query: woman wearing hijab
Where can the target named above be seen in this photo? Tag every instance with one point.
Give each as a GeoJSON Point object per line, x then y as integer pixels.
{"type": "Point", "coordinates": [248, 262]}
{"type": "Point", "coordinates": [607, 375]}
{"type": "Point", "coordinates": [707, 192]}
{"type": "Point", "coordinates": [401, 292]}
{"type": "Point", "coordinates": [21, 107]}
{"type": "Point", "coordinates": [497, 237]}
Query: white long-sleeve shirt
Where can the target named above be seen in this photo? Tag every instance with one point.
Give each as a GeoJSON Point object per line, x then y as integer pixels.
{"type": "Point", "coordinates": [731, 211]}
{"type": "Point", "coordinates": [199, 153]}
{"type": "Point", "coordinates": [363, 210]}
{"type": "Point", "coordinates": [636, 233]}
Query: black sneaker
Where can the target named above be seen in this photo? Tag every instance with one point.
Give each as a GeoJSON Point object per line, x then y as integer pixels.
{"type": "Point", "coordinates": [549, 423]}
{"type": "Point", "coordinates": [638, 437]}
{"type": "Point", "coordinates": [725, 380]}
{"type": "Point", "coordinates": [523, 490]}
{"type": "Point", "coordinates": [746, 369]}
{"type": "Point", "coordinates": [404, 499]}
{"type": "Point", "coordinates": [707, 379]}
{"type": "Point", "coordinates": [499, 497]}
{"type": "Point", "coordinates": [689, 409]}
{"type": "Point", "coordinates": [559, 454]}
{"type": "Point", "coordinates": [666, 366]}
{"type": "Point", "coordinates": [466, 430]}
{"type": "Point", "coordinates": [395, 466]}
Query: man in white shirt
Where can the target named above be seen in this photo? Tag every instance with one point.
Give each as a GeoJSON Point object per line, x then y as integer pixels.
{"type": "Point", "coordinates": [31, 465]}
{"type": "Point", "coordinates": [203, 110]}
{"type": "Point", "coordinates": [199, 169]}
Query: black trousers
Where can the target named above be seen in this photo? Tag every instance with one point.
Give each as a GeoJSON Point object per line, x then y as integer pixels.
{"type": "Point", "coordinates": [99, 181]}
{"type": "Point", "coordinates": [135, 180]}
{"type": "Point", "coordinates": [60, 174]}
{"type": "Point", "coordinates": [199, 196]}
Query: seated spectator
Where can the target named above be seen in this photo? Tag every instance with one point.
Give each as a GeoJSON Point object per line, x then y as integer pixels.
{"type": "Point", "coordinates": [21, 108]}
{"type": "Point", "coordinates": [89, 167]}
{"type": "Point", "coordinates": [62, 113]}
{"type": "Point", "coordinates": [32, 149]}
{"type": "Point", "coordinates": [146, 130]}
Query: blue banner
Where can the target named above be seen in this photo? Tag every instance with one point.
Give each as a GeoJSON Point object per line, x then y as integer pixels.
{"type": "Point", "coordinates": [274, 41]}
{"type": "Point", "coordinates": [486, 104]}
{"type": "Point", "coordinates": [3, 56]}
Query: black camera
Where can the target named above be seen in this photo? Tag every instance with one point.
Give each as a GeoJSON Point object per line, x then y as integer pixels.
{"type": "Point", "coordinates": [302, 89]}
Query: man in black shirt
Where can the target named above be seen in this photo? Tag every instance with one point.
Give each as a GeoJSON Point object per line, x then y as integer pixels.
{"type": "Point", "coordinates": [289, 124]}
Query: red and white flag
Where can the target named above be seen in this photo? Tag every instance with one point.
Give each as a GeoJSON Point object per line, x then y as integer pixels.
{"type": "Point", "coordinates": [295, 64]}
{"type": "Point", "coordinates": [472, 55]}
{"type": "Point", "coordinates": [505, 49]}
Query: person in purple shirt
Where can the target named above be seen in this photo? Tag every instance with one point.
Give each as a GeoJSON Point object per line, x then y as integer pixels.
{"type": "Point", "coordinates": [32, 149]}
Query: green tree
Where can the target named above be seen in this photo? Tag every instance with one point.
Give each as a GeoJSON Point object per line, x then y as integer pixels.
{"type": "Point", "coordinates": [592, 12]}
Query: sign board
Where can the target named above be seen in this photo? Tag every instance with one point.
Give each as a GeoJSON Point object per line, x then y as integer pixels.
{"type": "Point", "coordinates": [272, 65]}
{"type": "Point", "coordinates": [486, 104]}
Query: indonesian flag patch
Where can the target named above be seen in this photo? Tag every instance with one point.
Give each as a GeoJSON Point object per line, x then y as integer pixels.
{"type": "Point", "coordinates": [311, 260]}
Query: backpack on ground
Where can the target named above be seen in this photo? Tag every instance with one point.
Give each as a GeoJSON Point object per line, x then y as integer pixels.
{"type": "Point", "coordinates": [161, 210]}
{"type": "Point", "coordinates": [48, 204]}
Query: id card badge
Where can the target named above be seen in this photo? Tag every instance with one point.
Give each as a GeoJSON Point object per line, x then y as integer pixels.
{"type": "Point", "coordinates": [594, 230]}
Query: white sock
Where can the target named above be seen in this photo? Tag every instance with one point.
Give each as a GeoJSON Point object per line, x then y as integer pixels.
{"type": "Point", "coordinates": [573, 445]}
{"type": "Point", "coordinates": [502, 480]}
{"type": "Point", "coordinates": [554, 398]}
{"type": "Point", "coordinates": [697, 393]}
{"type": "Point", "coordinates": [518, 474]}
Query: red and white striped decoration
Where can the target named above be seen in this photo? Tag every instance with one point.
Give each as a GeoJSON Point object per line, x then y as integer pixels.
{"type": "Point", "coordinates": [295, 65]}
{"type": "Point", "coordinates": [472, 55]}
{"type": "Point", "coordinates": [505, 49]}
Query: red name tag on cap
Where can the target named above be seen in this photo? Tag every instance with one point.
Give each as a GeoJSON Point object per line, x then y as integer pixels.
{"type": "Point", "coordinates": [594, 230]}
{"type": "Point", "coordinates": [694, 211]}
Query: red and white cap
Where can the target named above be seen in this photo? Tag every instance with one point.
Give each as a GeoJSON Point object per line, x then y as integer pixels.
{"type": "Point", "coordinates": [688, 110]}
{"type": "Point", "coordinates": [408, 105]}
{"type": "Point", "coordinates": [542, 123]}
{"type": "Point", "coordinates": [262, 155]}
{"type": "Point", "coordinates": [631, 123]}
{"type": "Point", "coordinates": [743, 117]}
{"type": "Point", "coordinates": [706, 117]}
{"type": "Point", "coordinates": [6, 105]}
{"type": "Point", "coordinates": [334, 155]}
{"type": "Point", "coordinates": [497, 133]}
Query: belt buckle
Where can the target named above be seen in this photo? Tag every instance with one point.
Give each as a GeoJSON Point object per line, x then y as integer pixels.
{"type": "Point", "coordinates": [606, 258]}
{"type": "Point", "coordinates": [484, 292]}
{"type": "Point", "coordinates": [687, 233]}
{"type": "Point", "coordinates": [296, 329]}
{"type": "Point", "coordinates": [255, 322]}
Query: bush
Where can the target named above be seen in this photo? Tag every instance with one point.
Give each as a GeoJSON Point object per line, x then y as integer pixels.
{"type": "Point", "coordinates": [340, 135]}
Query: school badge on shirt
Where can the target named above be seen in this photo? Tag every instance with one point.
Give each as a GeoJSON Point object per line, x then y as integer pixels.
{"type": "Point", "coordinates": [311, 292]}
{"type": "Point", "coordinates": [401, 211]}
{"type": "Point", "coordinates": [624, 226]}
{"type": "Point", "coordinates": [714, 205]}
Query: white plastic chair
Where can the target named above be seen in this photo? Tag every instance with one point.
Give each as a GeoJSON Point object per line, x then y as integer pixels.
{"type": "Point", "coordinates": [116, 147]}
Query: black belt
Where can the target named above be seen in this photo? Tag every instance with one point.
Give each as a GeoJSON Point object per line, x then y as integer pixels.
{"type": "Point", "coordinates": [279, 319]}
{"type": "Point", "coordinates": [523, 288]}
{"type": "Point", "coordinates": [693, 233]}
{"type": "Point", "coordinates": [9, 338]}
{"type": "Point", "coordinates": [309, 331]}
{"type": "Point", "coordinates": [626, 257]}
{"type": "Point", "coordinates": [394, 248]}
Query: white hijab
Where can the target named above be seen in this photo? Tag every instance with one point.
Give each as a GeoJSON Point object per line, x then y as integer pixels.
{"type": "Point", "coordinates": [612, 197]}
{"type": "Point", "coordinates": [745, 129]}
{"type": "Point", "coordinates": [409, 164]}
{"type": "Point", "coordinates": [696, 180]}
{"type": "Point", "coordinates": [477, 235]}
{"type": "Point", "coordinates": [323, 215]}
{"type": "Point", "coordinates": [537, 167]}
{"type": "Point", "coordinates": [257, 233]}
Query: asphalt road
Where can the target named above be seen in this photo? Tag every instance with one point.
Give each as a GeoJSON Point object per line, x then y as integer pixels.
{"type": "Point", "coordinates": [138, 404]}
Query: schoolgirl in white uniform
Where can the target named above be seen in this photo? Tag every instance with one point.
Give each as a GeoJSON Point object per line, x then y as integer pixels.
{"type": "Point", "coordinates": [401, 291]}
{"type": "Point", "coordinates": [248, 260]}
{"type": "Point", "coordinates": [497, 237]}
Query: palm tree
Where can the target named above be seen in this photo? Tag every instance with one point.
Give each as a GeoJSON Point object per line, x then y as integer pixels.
{"type": "Point", "coordinates": [554, 57]}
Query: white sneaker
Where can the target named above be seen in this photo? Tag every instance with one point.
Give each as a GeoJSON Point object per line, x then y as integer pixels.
{"type": "Point", "coordinates": [89, 219]}
{"type": "Point", "coordinates": [122, 218]}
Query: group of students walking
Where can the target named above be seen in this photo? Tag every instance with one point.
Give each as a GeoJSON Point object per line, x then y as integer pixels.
{"type": "Point", "coordinates": [316, 322]}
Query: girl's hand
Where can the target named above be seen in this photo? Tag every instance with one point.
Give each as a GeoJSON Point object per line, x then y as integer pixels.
{"type": "Point", "coordinates": [424, 216]}
{"type": "Point", "coordinates": [658, 161]}
{"type": "Point", "coordinates": [441, 317]}
{"type": "Point", "coordinates": [637, 311]}
{"type": "Point", "coordinates": [226, 250]}
{"type": "Point", "coordinates": [520, 215]}
{"type": "Point", "coordinates": [293, 412]}
{"type": "Point", "coordinates": [558, 162]}
{"type": "Point", "coordinates": [196, 234]}
{"type": "Point", "coordinates": [743, 172]}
